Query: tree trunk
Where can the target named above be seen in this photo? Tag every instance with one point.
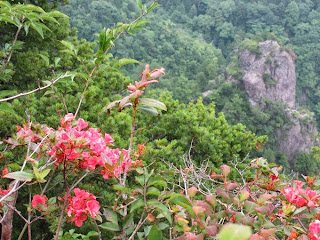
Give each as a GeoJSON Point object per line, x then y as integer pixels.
{"type": "Point", "coordinates": [7, 221]}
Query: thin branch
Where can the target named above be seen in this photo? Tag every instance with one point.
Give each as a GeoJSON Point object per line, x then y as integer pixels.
{"type": "Point", "coordinates": [11, 52]}
{"type": "Point", "coordinates": [35, 90]}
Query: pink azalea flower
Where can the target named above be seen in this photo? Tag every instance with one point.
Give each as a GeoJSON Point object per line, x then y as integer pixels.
{"type": "Point", "coordinates": [82, 124]}
{"type": "Point", "coordinates": [38, 199]}
{"type": "Point", "coordinates": [314, 230]}
{"type": "Point", "coordinates": [81, 206]}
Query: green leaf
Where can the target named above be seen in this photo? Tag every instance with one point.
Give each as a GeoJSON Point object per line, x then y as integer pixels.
{"type": "Point", "coordinates": [18, 45]}
{"type": "Point", "coordinates": [182, 201]}
{"type": "Point", "coordinates": [139, 2]}
{"type": "Point", "coordinates": [121, 188]}
{"type": "Point", "coordinates": [235, 232]}
{"type": "Point", "coordinates": [110, 226]}
{"type": "Point", "coordinates": [57, 14]}
{"type": "Point", "coordinates": [140, 180]}
{"type": "Point", "coordinates": [163, 209]}
{"type": "Point", "coordinates": [136, 205]}
{"type": "Point", "coordinates": [30, 8]}
{"type": "Point", "coordinates": [126, 61]}
{"type": "Point", "coordinates": [6, 93]}
{"type": "Point", "coordinates": [45, 59]}
{"type": "Point", "coordinates": [128, 221]}
{"type": "Point", "coordinates": [36, 173]}
{"type": "Point", "coordinates": [68, 45]}
{"type": "Point", "coordinates": [44, 173]}
{"type": "Point", "coordinates": [21, 176]}
{"type": "Point", "coordinates": [158, 181]}
{"type": "Point", "coordinates": [102, 40]}
{"type": "Point", "coordinates": [149, 110]}
{"type": "Point", "coordinates": [153, 7]}
{"type": "Point", "coordinates": [5, 4]}
{"type": "Point", "coordinates": [38, 29]}
{"type": "Point", "coordinates": [56, 61]}
{"type": "Point", "coordinates": [6, 107]}
{"type": "Point", "coordinates": [299, 210]}
{"type": "Point", "coordinates": [52, 200]}
{"type": "Point", "coordinates": [153, 191]}
{"type": "Point", "coordinates": [110, 215]}
{"type": "Point", "coordinates": [153, 103]}
{"type": "Point", "coordinates": [8, 20]}
{"type": "Point", "coordinates": [155, 233]}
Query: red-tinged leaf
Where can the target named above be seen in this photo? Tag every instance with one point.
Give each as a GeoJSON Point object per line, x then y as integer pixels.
{"type": "Point", "coordinates": [220, 192]}
{"type": "Point", "coordinates": [267, 233]}
{"type": "Point", "coordinates": [256, 237]}
{"type": "Point", "coordinates": [246, 220]}
{"type": "Point", "coordinates": [212, 230]}
{"type": "Point", "coordinates": [264, 198]}
{"type": "Point", "coordinates": [244, 195]}
{"type": "Point", "coordinates": [265, 210]}
{"type": "Point", "coordinates": [110, 216]}
{"type": "Point", "coordinates": [231, 185]}
{"type": "Point", "coordinates": [250, 206]}
{"type": "Point", "coordinates": [123, 102]}
{"type": "Point", "coordinates": [21, 176]}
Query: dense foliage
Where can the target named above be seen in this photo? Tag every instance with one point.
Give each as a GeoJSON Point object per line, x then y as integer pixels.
{"type": "Point", "coordinates": [169, 168]}
{"type": "Point", "coordinates": [196, 42]}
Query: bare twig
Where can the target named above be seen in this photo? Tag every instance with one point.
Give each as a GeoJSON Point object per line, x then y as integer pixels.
{"type": "Point", "coordinates": [35, 90]}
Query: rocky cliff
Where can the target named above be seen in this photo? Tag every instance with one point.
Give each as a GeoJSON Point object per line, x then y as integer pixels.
{"type": "Point", "coordinates": [269, 73]}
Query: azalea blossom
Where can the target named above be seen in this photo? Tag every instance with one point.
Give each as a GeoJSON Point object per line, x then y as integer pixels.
{"type": "Point", "coordinates": [82, 206]}
{"type": "Point", "coordinates": [38, 199]}
{"type": "Point", "coordinates": [314, 230]}
{"type": "Point", "coordinates": [301, 197]}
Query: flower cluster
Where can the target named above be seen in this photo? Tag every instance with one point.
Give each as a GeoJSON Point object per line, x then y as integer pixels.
{"type": "Point", "coordinates": [39, 202]}
{"type": "Point", "coordinates": [75, 144]}
{"type": "Point", "coordinates": [82, 205]}
{"type": "Point", "coordinates": [301, 197]}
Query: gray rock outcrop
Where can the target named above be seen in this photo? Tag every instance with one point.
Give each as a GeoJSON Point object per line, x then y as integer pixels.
{"type": "Point", "coordinates": [269, 75]}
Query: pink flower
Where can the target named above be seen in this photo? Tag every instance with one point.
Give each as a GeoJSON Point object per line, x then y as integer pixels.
{"type": "Point", "coordinates": [38, 199]}
{"type": "Point", "coordinates": [314, 230]}
{"type": "Point", "coordinates": [301, 197]}
{"type": "Point", "coordinates": [67, 119]}
{"type": "Point", "coordinates": [82, 206]}
{"type": "Point", "coordinates": [82, 124]}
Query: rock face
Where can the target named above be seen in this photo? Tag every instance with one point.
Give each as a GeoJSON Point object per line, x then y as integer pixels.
{"type": "Point", "coordinates": [299, 136]}
{"type": "Point", "coordinates": [269, 75]}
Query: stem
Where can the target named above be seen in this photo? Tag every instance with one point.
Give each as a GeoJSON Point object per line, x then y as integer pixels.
{"type": "Point", "coordinates": [61, 216]}
{"type": "Point", "coordinates": [98, 230]}
{"type": "Point", "coordinates": [22, 231]}
{"type": "Point", "coordinates": [133, 126]}
{"type": "Point", "coordinates": [304, 228]}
